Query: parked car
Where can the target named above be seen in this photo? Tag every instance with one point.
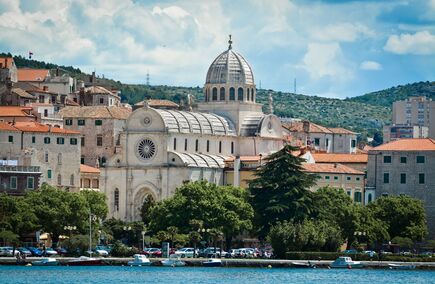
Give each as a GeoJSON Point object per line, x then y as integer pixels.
{"type": "Point", "coordinates": [153, 252]}
{"type": "Point", "coordinates": [24, 251]}
{"type": "Point", "coordinates": [208, 252]}
{"type": "Point", "coordinates": [232, 253]}
{"type": "Point", "coordinates": [107, 248]}
{"type": "Point", "coordinates": [35, 251]}
{"type": "Point", "coordinates": [185, 252]}
{"type": "Point", "coordinates": [50, 252]}
{"type": "Point", "coordinates": [102, 252]}
{"type": "Point", "coordinates": [371, 253]}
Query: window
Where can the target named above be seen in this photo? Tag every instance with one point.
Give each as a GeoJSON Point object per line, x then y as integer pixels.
{"type": "Point", "coordinates": [248, 97]}
{"type": "Point", "coordinates": [60, 140]}
{"type": "Point", "coordinates": [99, 140]}
{"type": "Point", "coordinates": [420, 159]}
{"type": "Point", "coordinates": [240, 94]}
{"type": "Point", "coordinates": [208, 145]}
{"type": "Point", "coordinates": [196, 145]}
{"type": "Point", "coordinates": [59, 159]}
{"type": "Point", "coordinates": [71, 180]}
{"type": "Point", "coordinates": [220, 146]}
{"type": "Point", "coordinates": [386, 177]}
{"type": "Point", "coordinates": [45, 112]}
{"type": "Point", "coordinates": [327, 177]}
{"type": "Point", "coordinates": [327, 142]}
{"type": "Point", "coordinates": [357, 196]}
{"type": "Point", "coordinates": [316, 141]}
{"type": "Point", "coordinates": [13, 182]}
{"type": "Point", "coordinates": [185, 144]}
{"type": "Point", "coordinates": [33, 139]}
{"type": "Point", "coordinates": [101, 100]}
{"type": "Point", "coordinates": [81, 122]}
{"type": "Point", "coordinates": [403, 178]}
{"type": "Point", "coordinates": [403, 160]}
{"type": "Point", "coordinates": [46, 156]}
{"type": "Point", "coordinates": [82, 159]}
{"type": "Point", "coordinates": [358, 178]}
{"type": "Point", "coordinates": [30, 182]}
{"type": "Point", "coordinates": [349, 192]}
{"type": "Point", "coordinates": [214, 94]}
{"type": "Point", "coordinates": [222, 94]}
{"type": "Point", "coordinates": [335, 177]}
{"type": "Point", "coordinates": [353, 143]}
{"type": "Point", "coordinates": [232, 147]}
{"type": "Point", "coordinates": [98, 122]}
{"type": "Point", "coordinates": [68, 122]}
{"type": "Point", "coordinates": [232, 94]}
{"type": "Point", "coordinates": [369, 198]}
{"type": "Point", "coordinates": [49, 174]}
{"type": "Point", "coordinates": [59, 179]}
{"type": "Point", "coordinates": [348, 178]}
{"type": "Point", "coordinates": [82, 141]}
{"type": "Point", "coordinates": [73, 141]}
{"type": "Point", "coordinates": [46, 140]}
{"type": "Point", "coordinates": [387, 159]}
{"type": "Point", "coordinates": [421, 178]}
{"type": "Point", "coordinates": [103, 161]}
{"type": "Point", "coordinates": [175, 144]}
{"type": "Point", "coordinates": [11, 139]}
{"type": "Point", "coordinates": [116, 199]}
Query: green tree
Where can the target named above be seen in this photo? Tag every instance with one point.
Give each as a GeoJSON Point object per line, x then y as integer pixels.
{"type": "Point", "coordinates": [280, 190]}
{"type": "Point", "coordinates": [96, 202]}
{"type": "Point", "coordinates": [404, 216]}
{"type": "Point", "coordinates": [146, 208]}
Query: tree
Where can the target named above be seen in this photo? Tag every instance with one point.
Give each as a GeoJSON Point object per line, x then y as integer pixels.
{"type": "Point", "coordinates": [146, 208]}
{"type": "Point", "coordinates": [404, 216]}
{"type": "Point", "coordinates": [96, 202]}
{"type": "Point", "coordinates": [280, 190]}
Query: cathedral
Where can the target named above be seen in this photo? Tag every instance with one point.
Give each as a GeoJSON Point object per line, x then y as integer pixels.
{"type": "Point", "coordinates": [161, 149]}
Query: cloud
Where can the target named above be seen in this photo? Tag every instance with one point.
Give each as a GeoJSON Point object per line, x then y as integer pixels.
{"type": "Point", "coordinates": [420, 43]}
{"type": "Point", "coordinates": [370, 65]}
{"type": "Point", "coordinates": [343, 32]}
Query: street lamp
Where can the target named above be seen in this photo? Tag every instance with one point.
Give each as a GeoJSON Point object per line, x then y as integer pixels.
{"type": "Point", "coordinates": [70, 229]}
{"type": "Point", "coordinates": [127, 229]}
{"type": "Point", "coordinates": [143, 239]}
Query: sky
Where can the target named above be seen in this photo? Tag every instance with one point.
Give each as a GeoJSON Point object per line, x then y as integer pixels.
{"type": "Point", "coordinates": [332, 48]}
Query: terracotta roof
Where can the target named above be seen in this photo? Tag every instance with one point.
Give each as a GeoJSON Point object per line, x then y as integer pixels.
{"type": "Point", "coordinates": [32, 75]}
{"type": "Point", "coordinates": [70, 102]}
{"type": "Point", "coordinates": [95, 112]}
{"type": "Point", "coordinates": [29, 87]}
{"type": "Point", "coordinates": [298, 126]}
{"type": "Point", "coordinates": [15, 111]}
{"type": "Point", "coordinates": [159, 103]}
{"type": "Point", "coordinates": [32, 126]}
{"type": "Point", "coordinates": [340, 130]}
{"type": "Point", "coordinates": [98, 90]}
{"type": "Point", "coordinates": [21, 93]}
{"type": "Point", "coordinates": [330, 168]}
{"type": "Point", "coordinates": [6, 62]}
{"type": "Point", "coordinates": [418, 144]}
{"type": "Point", "coordinates": [339, 158]}
{"type": "Point", "coordinates": [88, 169]}
{"type": "Point", "coordinates": [7, 127]}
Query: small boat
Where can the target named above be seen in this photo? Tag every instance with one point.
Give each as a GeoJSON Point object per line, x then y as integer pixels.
{"type": "Point", "coordinates": [173, 261]}
{"type": "Point", "coordinates": [139, 260]}
{"type": "Point", "coordinates": [303, 265]}
{"type": "Point", "coordinates": [401, 266]}
{"type": "Point", "coordinates": [85, 261]}
{"type": "Point", "coordinates": [48, 261]}
{"type": "Point", "coordinates": [212, 262]}
{"type": "Point", "coordinates": [346, 262]}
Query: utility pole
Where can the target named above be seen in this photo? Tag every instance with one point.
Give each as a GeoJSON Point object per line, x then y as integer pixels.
{"type": "Point", "coordinates": [148, 78]}
{"type": "Point", "coordinates": [294, 86]}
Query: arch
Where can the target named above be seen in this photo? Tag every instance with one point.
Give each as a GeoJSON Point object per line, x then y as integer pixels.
{"type": "Point", "coordinates": [232, 94]}
{"type": "Point", "coordinates": [142, 193]}
{"type": "Point", "coordinates": [240, 94]}
{"type": "Point", "coordinates": [215, 97]}
{"type": "Point", "coordinates": [222, 94]}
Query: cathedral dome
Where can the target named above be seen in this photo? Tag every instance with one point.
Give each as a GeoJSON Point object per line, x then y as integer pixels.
{"type": "Point", "coordinates": [230, 68]}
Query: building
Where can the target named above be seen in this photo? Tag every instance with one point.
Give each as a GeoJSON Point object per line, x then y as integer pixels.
{"type": "Point", "coordinates": [8, 70]}
{"type": "Point", "coordinates": [33, 76]}
{"type": "Point", "coordinates": [89, 178]}
{"type": "Point", "coordinates": [16, 114]}
{"type": "Point", "coordinates": [418, 111]}
{"type": "Point", "coordinates": [96, 96]}
{"type": "Point", "coordinates": [160, 149]}
{"type": "Point", "coordinates": [100, 127]}
{"type": "Point", "coordinates": [354, 161]}
{"type": "Point", "coordinates": [320, 138]}
{"type": "Point", "coordinates": [162, 104]}
{"type": "Point", "coordinates": [338, 176]}
{"type": "Point", "coordinates": [55, 151]}
{"type": "Point", "coordinates": [17, 180]}
{"type": "Point", "coordinates": [404, 166]}
{"type": "Point", "coordinates": [401, 131]}
{"type": "Point", "coordinates": [13, 96]}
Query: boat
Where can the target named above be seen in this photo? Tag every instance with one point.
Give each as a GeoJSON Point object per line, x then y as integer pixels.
{"type": "Point", "coordinates": [85, 261]}
{"type": "Point", "coordinates": [303, 264]}
{"type": "Point", "coordinates": [346, 262]}
{"type": "Point", "coordinates": [212, 262]}
{"type": "Point", "coordinates": [173, 261]}
{"type": "Point", "coordinates": [139, 260]}
{"type": "Point", "coordinates": [47, 261]}
{"type": "Point", "coordinates": [401, 266]}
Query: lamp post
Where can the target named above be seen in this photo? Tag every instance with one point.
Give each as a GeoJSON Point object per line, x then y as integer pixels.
{"type": "Point", "coordinates": [70, 229]}
{"type": "Point", "coordinates": [143, 239]}
{"type": "Point", "coordinates": [127, 229]}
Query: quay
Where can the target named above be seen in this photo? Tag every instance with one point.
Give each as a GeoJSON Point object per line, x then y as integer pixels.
{"type": "Point", "coordinates": [255, 263]}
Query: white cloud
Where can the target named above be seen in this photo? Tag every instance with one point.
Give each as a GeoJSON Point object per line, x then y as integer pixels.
{"type": "Point", "coordinates": [420, 43]}
{"type": "Point", "coordinates": [370, 65]}
{"type": "Point", "coordinates": [343, 32]}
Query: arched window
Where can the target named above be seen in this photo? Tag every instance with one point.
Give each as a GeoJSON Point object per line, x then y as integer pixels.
{"type": "Point", "coordinates": [215, 94]}
{"type": "Point", "coordinates": [222, 94]}
{"type": "Point", "coordinates": [196, 145]}
{"type": "Point", "coordinates": [220, 146]}
{"type": "Point", "coordinates": [232, 147]}
{"type": "Point", "coordinates": [71, 180]}
{"type": "Point", "coordinates": [240, 94]}
{"type": "Point", "coordinates": [59, 159]}
{"type": "Point", "coordinates": [208, 145]}
{"type": "Point", "coordinates": [248, 97]}
{"type": "Point", "coordinates": [116, 199]}
{"type": "Point", "coordinates": [175, 144]}
{"type": "Point", "coordinates": [252, 94]}
{"type": "Point", "coordinates": [59, 179]}
{"type": "Point", "coordinates": [185, 144]}
{"type": "Point", "coordinates": [102, 161]}
{"type": "Point", "coordinates": [232, 94]}
{"type": "Point", "coordinates": [369, 198]}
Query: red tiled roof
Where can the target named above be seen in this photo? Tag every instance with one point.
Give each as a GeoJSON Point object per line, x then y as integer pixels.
{"type": "Point", "coordinates": [159, 103]}
{"type": "Point", "coordinates": [417, 144]}
{"type": "Point", "coordinates": [340, 158]}
{"type": "Point", "coordinates": [298, 126]}
{"type": "Point", "coordinates": [340, 130]}
{"type": "Point", "coordinates": [330, 168]}
{"type": "Point", "coordinates": [95, 112]}
{"type": "Point", "coordinates": [88, 169]}
{"type": "Point", "coordinates": [6, 62]}
{"type": "Point", "coordinates": [32, 75]}
{"type": "Point", "coordinates": [32, 126]}
{"type": "Point", "coordinates": [7, 127]}
{"type": "Point", "coordinates": [15, 111]}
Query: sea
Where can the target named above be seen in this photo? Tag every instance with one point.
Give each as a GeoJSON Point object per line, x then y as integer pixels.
{"type": "Point", "coordinates": [152, 274]}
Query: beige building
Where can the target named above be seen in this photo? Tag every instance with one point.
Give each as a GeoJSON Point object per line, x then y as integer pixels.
{"type": "Point", "coordinates": [96, 96]}
{"type": "Point", "coordinates": [320, 138]}
{"type": "Point", "coordinates": [338, 176]}
{"type": "Point", "coordinates": [100, 128]}
{"type": "Point", "coordinates": [8, 70]}
{"type": "Point", "coordinates": [354, 161]}
{"type": "Point", "coordinates": [405, 166]}
{"type": "Point", "coordinates": [89, 178]}
{"type": "Point", "coordinates": [55, 151]}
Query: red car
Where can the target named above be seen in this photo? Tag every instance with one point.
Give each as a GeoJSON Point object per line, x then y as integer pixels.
{"type": "Point", "coordinates": [152, 252]}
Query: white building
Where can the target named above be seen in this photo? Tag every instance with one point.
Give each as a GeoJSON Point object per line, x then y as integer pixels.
{"type": "Point", "coordinates": [160, 149]}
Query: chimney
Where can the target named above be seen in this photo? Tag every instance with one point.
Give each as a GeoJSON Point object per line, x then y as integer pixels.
{"type": "Point", "coordinates": [306, 126]}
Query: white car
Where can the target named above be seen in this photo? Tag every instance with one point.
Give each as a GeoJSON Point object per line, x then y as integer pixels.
{"type": "Point", "coordinates": [102, 252]}
{"type": "Point", "coordinates": [185, 252]}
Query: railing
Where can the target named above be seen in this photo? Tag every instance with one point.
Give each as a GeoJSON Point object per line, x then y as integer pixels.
{"type": "Point", "coordinates": [26, 169]}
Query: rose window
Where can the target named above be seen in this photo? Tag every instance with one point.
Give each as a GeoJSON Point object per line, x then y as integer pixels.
{"type": "Point", "coordinates": [146, 149]}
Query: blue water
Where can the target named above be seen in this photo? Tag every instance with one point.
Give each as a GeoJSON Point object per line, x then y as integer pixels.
{"type": "Point", "coordinates": [125, 274]}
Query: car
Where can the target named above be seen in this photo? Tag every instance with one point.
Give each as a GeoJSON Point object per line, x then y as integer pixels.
{"type": "Point", "coordinates": [8, 251]}
{"type": "Point", "coordinates": [50, 251]}
{"type": "Point", "coordinates": [185, 252]}
{"type": "Point", "coordinates": [231, 253]}
{"type": "Point", "coordinates": [24, 251]}
{"type": "Point", "coordinates": [371, 253]}
{"type": "Point", "coordinates": [102, 252]}
{"type": "Point", "coordinates": [107, 248]}
{"type": "Point", "coordinates": [62, 251]}
{"type": "Point", "coordinates": [35, 251]}
{"type": "Point", "coordinates": [153, 252]}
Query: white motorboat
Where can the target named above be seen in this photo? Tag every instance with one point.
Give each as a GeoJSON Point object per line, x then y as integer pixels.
{"type": "Point", "coordinates": [212, 262]}
{"type": "Point", "coordinates": [401, 266]}
{"type": "Point", "coordinates": [85, 261]}
{"type": "Point", "coordinates": [346, 262]}
{"type": "Point", "coordinates": [173, 261]}
{"type": "Point", "coordinates": [48, 261]}
{"type": "Point", "coordinates": [139, 260]}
